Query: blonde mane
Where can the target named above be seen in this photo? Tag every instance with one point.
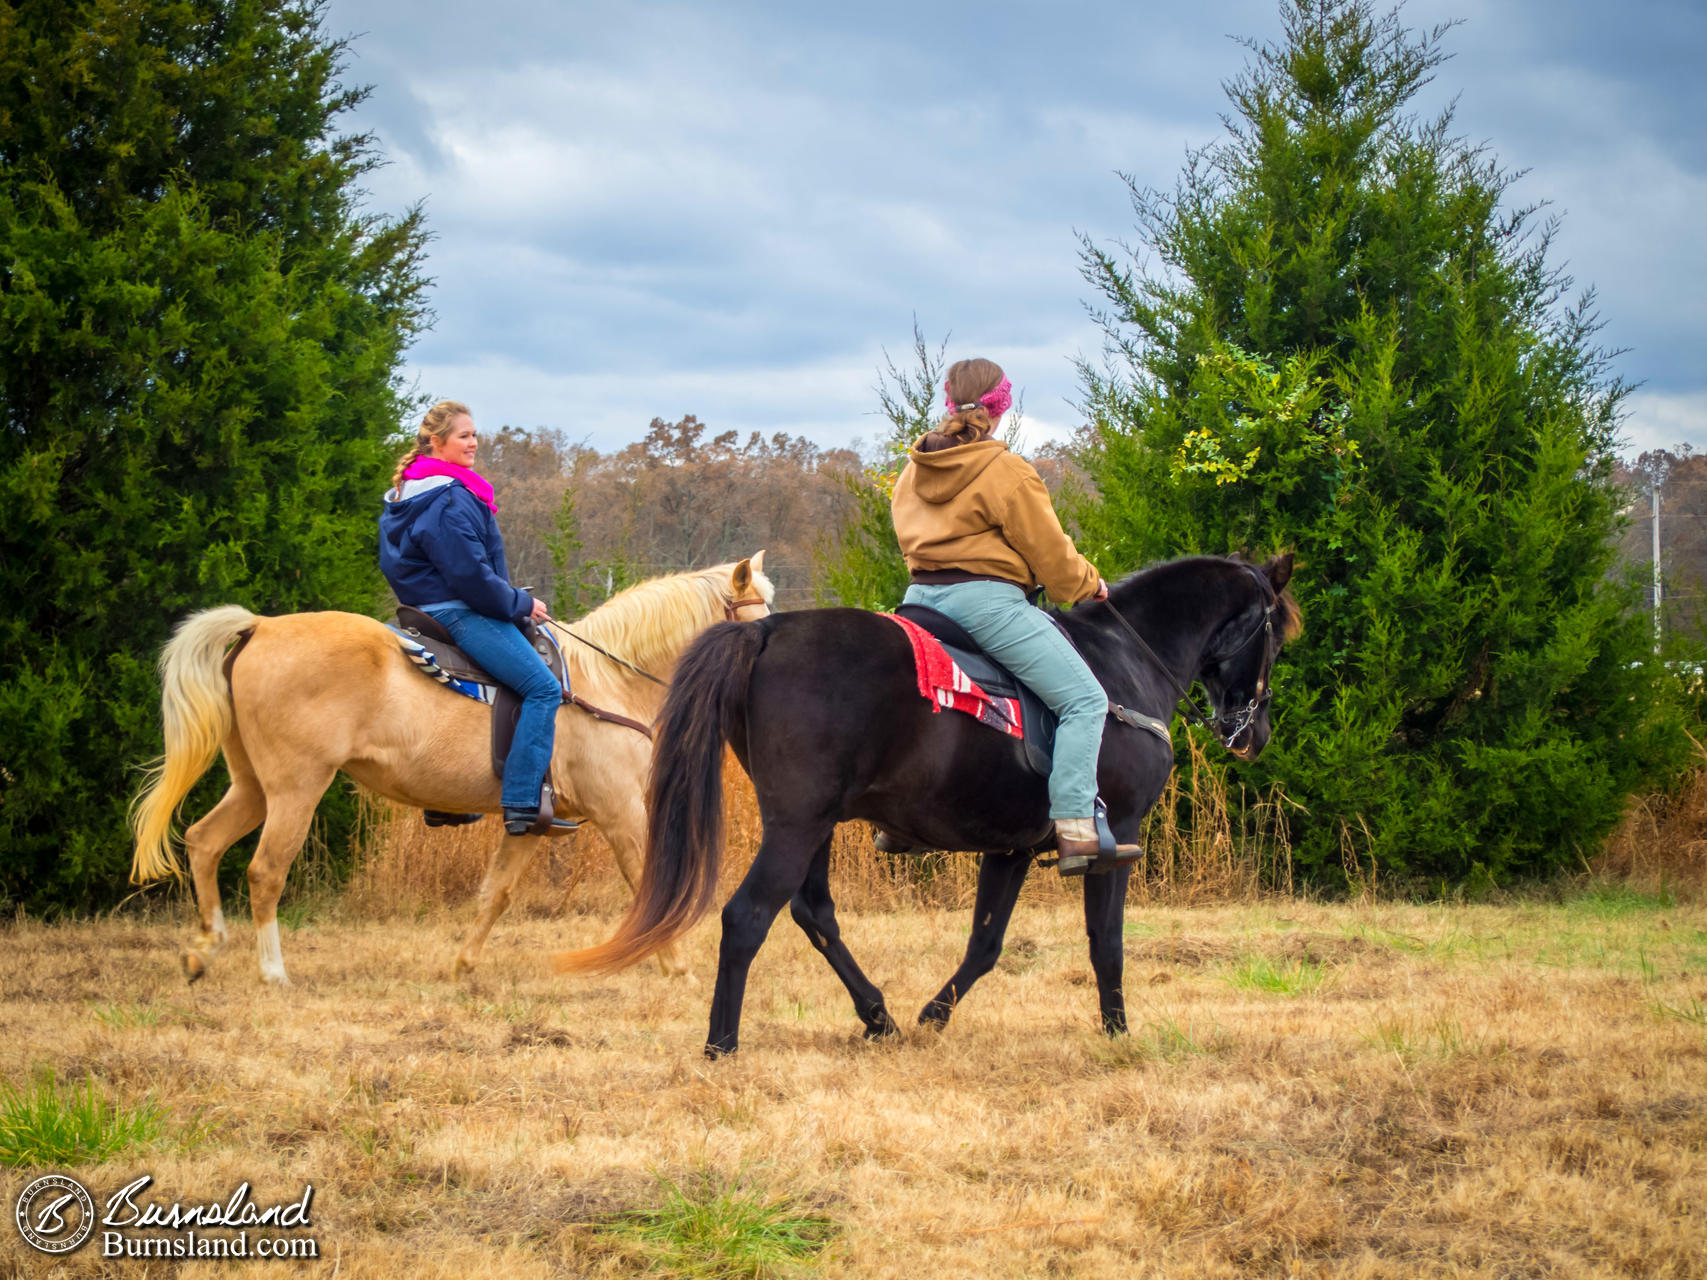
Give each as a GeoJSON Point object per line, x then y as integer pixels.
{"type": "Point", "coordinates": [650, 623]}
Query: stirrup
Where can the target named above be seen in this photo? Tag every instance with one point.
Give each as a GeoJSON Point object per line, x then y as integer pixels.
{"type": "Point", "coordinates": [1110, 854]}
{"type": "Point", "coordinates": [521, 822]}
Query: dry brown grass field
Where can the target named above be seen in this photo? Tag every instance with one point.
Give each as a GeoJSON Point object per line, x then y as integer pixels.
{"type": "Point", "coordinates": [1363, 1089]}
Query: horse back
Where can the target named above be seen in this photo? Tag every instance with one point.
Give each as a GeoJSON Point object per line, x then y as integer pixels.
{"type": "Point", "coordinates": [835, 725]}
{"type": "Point", "coordinates": [328, 678]}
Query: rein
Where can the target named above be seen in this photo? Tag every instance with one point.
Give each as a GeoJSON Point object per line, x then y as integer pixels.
{"type": "Point", "coordinates": [1246, 715]}
{"type": "Point", "coordinates": [621, 662]}
{"type": "Point", "coordinates": [730, 609]}
{"type": "Point", "coordinates": [599, 713]}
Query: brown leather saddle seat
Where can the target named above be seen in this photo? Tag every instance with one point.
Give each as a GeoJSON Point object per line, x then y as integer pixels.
{"type": "Point", "coordinates": [506, 706]}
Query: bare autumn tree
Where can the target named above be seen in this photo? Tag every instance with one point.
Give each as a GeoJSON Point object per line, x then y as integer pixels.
{"type": "Point", "coordinates": [581, 524]}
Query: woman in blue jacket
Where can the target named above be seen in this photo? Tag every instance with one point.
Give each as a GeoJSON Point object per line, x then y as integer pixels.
{"type": "Point", "coordinates": [440, 550]}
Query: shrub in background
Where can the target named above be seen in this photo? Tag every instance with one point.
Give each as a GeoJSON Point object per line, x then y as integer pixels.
{"type": "Point", "coordinates": [200, 336]}
{"type": "Point", "coordinates": [1340, 337]}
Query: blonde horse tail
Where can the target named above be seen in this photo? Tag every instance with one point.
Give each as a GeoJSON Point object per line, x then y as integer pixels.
{"type": "Point", "coordinates": [195, 703]}
{"type": "Point", "coordinates": [684, 833]}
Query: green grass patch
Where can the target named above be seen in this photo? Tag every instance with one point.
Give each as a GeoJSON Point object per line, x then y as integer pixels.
{"type": "Point", "coordinates": [1689, 1011]}
{"type": "Point", "coordinates": [1163, 1040]}
{"type": "Point", "coordinates": [1614, 901]}
{"type": "Point", "coordinates": [1277, 977]}
{"type": "Point", "coordinates": [44, 1125]}
{"type": "Point", "coordinates": [1394, 1037]}
{"type": "Point", "coordinates": [1448, 942]}
{"type": "Point", "coordinates": [123, 1017]}
{"type": "Point", "coordinates": [1445, 1037]}
{"type": "Point", "coordinates": [712, 1228]}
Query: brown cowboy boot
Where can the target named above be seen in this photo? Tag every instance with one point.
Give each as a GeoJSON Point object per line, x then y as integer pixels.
{"type": "Point", "coordinates": [1083, 849]}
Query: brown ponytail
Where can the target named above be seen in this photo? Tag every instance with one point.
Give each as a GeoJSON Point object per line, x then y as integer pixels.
{"type": "Point", "coordinates": [969, 421]}
{"type": "Point", "coordinates": [435, 425]}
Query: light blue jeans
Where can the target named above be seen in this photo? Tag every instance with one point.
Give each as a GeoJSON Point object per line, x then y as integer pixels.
{"type": "Point", "coordinates": [1024, 641]}
{"type": "Point", "coordinates": [499, 646]}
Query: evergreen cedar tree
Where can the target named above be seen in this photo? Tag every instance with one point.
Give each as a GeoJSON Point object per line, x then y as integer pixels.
{"type": "Point", "coordinates": [200, 334]}
{"type": "Point", "coordinates": [1340, 336]}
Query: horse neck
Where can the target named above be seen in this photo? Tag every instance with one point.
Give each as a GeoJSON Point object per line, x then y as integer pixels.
{"type": "Point", "coordinates": [1177, 608]}
{"type": "Point", "coordinates": [648, 629]}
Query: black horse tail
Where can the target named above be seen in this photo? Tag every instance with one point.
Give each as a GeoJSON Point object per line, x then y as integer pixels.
{"type": "Point", "coordinates": [684, 832]}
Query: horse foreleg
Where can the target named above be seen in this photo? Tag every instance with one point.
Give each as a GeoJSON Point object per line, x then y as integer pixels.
{"type": "Point", "coordinates": [779, 869]}
{"type": "Point", "coordinates": [239, 811]}
{"type": "Point", "coordinates": [1105, 923]}
{"type": "Point", "coordinates": [288, 819]}
{"type": "Point", "coordinates": [815, 912]}
{"type": "Point", "coordinates": [1000, 876]}
{"type": "Point", "coordinates": [496, 890]}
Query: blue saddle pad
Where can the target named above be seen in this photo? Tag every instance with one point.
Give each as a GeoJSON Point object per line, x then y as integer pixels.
{"type": "Point", "coordinates": [427, 660]}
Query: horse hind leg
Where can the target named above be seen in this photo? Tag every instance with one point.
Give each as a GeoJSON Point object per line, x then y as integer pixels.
{"type": "Point", "coordinates": [503, 874]}
{"type": "Point", "coordinates": [814, 910]}
{"type": "Point", "coordinates": [779, 868]}
{"type": "Point", "coordinates": [1000, 876]}
{"type": "Point", "coordinates": [288, 819]}
{"type": "Point", "coordinates": [238, 813]}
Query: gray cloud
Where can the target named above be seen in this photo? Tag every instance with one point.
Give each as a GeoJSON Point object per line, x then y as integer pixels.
{"type": "Point", "coordinates": [728, 210]}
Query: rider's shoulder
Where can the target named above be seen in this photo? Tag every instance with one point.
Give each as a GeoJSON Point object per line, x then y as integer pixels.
{"type": "Point", "coordinates": [1013, 468]}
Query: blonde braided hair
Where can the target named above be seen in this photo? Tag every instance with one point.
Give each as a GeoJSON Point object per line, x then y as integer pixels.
{"type": "Point", "coordinates": [435, 426]}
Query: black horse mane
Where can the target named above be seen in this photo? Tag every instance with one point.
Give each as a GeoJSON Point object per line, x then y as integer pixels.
{"type": "Point", "coordinates": [1289, 620]}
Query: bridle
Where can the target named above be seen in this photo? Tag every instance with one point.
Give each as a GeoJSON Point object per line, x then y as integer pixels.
{"type": "Point", "coordinates": [1228, 726]}
{"type": "Point", "coordinates": [732, 608]}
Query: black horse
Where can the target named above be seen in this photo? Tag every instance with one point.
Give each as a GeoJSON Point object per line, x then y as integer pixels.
{"type": "Point", "coordinates": [823, 710]}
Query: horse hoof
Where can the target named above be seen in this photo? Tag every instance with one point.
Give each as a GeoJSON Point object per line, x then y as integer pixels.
{"type": "Point", "coordinates": [882, 1027]}
{"type": "Point", "coordinates": [716, 1051]}
{"type": "Point", "coordinates": [195, 968]}
{"type": "Point", "coordinates": [461, 969]}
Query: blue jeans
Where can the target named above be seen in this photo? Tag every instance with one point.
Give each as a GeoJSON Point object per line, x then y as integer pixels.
{"type": "Point", "coordinates": [1024, 641]}
{"type": "Point", "coordinates": [499, 646]}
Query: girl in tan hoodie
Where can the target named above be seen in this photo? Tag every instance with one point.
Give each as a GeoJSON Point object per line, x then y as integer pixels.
{"type": "Point", "coordinates": [978, 531]}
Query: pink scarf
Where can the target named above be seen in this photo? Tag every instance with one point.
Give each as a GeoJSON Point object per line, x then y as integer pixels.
{"type": "Point", "coordinates": [476, 484]}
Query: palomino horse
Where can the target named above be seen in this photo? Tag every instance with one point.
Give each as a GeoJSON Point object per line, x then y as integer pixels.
{"type": "Point", "coordinates": [308, 694]}
{"type": "Point", "coordinates": [823, 710]}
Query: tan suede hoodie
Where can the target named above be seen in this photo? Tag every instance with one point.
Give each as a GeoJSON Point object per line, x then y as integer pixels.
{"type": "Point", "coordinates": [978, 508]}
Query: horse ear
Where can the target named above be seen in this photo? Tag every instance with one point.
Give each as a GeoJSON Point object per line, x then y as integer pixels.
{"type": "Point", "coordinates": [758, 562]}
{"type": "Point", "coordinates": [1279, 571]}
{"type": "Point", "coordinates": [741, 580]}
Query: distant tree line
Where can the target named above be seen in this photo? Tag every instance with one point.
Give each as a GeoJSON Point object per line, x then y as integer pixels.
{"type": "Point", "coordinates": [580, 525]}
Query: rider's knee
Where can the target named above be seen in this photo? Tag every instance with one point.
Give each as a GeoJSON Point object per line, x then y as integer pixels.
{"type": "Point", "coordinates": [543, 688]}
{"type": "Point", "coordinates": [1086, 704]}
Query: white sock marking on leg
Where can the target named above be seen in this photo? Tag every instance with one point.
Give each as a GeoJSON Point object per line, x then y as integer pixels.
{"type": "Point", "coordinates": [272, 955]}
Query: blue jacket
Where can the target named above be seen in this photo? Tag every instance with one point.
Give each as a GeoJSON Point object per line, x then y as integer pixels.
{"type": "Point", "coordinates": [441, 544]}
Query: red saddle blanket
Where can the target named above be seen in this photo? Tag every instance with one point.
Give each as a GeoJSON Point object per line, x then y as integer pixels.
{"type": "Point", "coordinates": [944, 684]}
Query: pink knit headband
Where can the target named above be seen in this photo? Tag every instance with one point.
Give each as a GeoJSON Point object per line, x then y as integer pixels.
{"type": "Point", "coordinates": [997, 400]}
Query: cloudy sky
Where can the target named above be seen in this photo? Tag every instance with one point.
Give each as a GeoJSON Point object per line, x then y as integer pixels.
{"type": "Point", "coordinates": [733, 209]}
